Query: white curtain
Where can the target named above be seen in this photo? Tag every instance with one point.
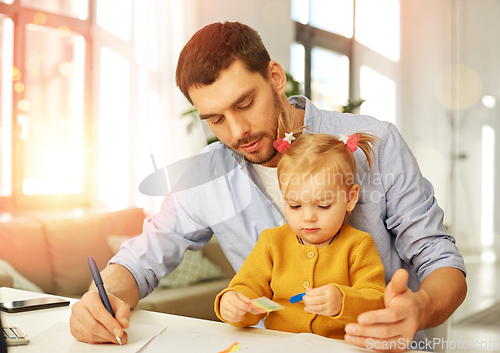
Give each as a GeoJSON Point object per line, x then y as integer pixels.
{"type": "Point", "coordinates": [138, 103]}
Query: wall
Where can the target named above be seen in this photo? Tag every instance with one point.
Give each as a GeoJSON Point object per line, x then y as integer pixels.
{"type": "Point", "coordinates": [425, 51]}
{"type": "Point", "coordinates": [158, 127]}
{"type": "Point", "coordinates": [440, 125]}
{"type": "Point", "coordinates": [435, 36]}
{"type": "Point", "coordinates": [270, 18]}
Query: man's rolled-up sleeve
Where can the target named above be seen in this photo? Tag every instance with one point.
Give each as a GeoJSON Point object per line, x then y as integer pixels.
{"type": "Point", "coordinates": [413, 214]}
{"type": "Point", "coordinates": [161, 246]}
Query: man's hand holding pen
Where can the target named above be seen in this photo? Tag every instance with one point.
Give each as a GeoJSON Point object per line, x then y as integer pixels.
{"type": "Point", "coordinates": [94, 324]}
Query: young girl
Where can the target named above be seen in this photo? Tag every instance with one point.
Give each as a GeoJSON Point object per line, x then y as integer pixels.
{"type": "Point", "coordinates": [317, 252]}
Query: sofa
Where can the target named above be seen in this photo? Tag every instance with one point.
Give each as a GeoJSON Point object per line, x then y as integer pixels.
{"type": "Point", "coordinates": [50, 255]}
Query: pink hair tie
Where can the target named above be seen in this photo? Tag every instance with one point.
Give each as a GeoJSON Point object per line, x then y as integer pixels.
{"type": "Point", "coordinates": [350, 142]}
{"type": "Point", "coordinates": [283, 143]}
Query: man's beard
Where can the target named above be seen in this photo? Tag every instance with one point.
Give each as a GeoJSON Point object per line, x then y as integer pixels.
{"type": "Point", "coordinates": [271, 152]}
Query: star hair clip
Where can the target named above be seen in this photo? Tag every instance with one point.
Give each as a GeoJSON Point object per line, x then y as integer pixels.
{"type": "Point", "coordinates": [283, 143]}
{"type": "Point", "coordinates": [351, 142]}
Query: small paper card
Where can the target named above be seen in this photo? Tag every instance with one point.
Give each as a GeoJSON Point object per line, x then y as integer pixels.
{"type": "Point", "coordinates": [264, 305]}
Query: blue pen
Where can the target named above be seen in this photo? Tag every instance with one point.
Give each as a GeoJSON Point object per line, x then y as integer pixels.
{"type": "Point", "coordinates": [100, 287]}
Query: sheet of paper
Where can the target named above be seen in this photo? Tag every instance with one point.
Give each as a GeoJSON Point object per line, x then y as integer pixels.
{"type": "Point", "coordinates": [306, 342]}
{"type": "Point", "coordinates": [58, 338]}
{"type": "Point", "coordinates": [208, 340]}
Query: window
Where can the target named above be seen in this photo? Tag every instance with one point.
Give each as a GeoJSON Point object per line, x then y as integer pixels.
{"type": "Point", "coordinates": [113, 128]}
{"type": "Point", "coordinates": [43, 87]}
{"type": "Point", "coordinates": [323, 36]}
{"type": "Point", "coordinates": [335, 16]}
{"type": "Point", "coordinates": [380, 94]}
{"type": "Point", "coordinates": [348, 50]}
{"type": "Point", "coordinates": [377, 26]}
{"type": "Point", "coordinates": [329, 78]}
{"type": "Point", "coordinates": [85, 89]}
{"type": "Point", "coordinates": [76, 9]}
{"type": "Point", "coordinates": [7, 75]}
{"type": "Point", "coordinates": [51, 111]}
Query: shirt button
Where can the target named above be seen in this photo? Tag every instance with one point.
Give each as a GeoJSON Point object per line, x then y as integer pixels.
{"type": "Point", "coordinates": [281, 223]}
{"type": "Point", "coordinates": [306, 284]}
{"type": "Point", "coordinates": [310, 254]}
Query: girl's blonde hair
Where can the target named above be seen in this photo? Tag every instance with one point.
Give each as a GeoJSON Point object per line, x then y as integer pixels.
{"type": "Point", "coordinates": [314, 153]}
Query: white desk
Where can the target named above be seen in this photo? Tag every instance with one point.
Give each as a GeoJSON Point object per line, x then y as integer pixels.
{"type": "Point", "coordinates": [34, 322]}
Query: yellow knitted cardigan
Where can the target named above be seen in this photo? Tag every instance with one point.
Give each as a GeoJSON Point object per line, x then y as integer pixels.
{"type": "Point", "coordinates": [280, 267]}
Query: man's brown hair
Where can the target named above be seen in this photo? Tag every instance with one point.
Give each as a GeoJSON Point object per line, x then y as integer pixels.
{"type": "Point", "coordinates": [214, 48]}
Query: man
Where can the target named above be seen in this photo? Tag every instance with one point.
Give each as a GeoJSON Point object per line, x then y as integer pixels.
{"type": "Point", "coordinates": [226, 72]}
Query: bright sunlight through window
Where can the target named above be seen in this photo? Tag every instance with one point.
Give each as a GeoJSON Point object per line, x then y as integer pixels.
{"type": "Point", "coordinates": [379, 92]}
{"type": "Point", "coordinates": [115, 17]}
{"type": "Point", "coordinates": [52, 119]}
{"type": "Point", "coordinates": [334, 16]}
{"type": "Point", "coordinates": [114, 129]}
{"type": "Point", "coordinates": [329, 79]}
{"type": "Point", "coordinates": [377, 26]}
{"type": "Point", "coordinates": [6, 76]}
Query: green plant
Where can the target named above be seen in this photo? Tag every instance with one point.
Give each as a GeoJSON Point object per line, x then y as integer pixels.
{"type": "Point", "coordinates": [292, 86]}
{"type": "Point", "coordinates": [351, 105]}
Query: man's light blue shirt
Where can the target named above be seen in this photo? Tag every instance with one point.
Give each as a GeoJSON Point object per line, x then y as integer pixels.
{"type": "Point", "coordinates": [221, 194]}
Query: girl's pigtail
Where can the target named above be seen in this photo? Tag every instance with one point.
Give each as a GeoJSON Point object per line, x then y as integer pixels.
{"type": "Point", "coordinates": [363, 141]}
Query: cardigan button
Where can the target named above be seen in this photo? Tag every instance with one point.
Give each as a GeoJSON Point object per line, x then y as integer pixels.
{"type": "Point", "coordinates": [310, 254]}
{"type": "Point", "coordinates": [281, 223]}
{"type": "Point", "coordinates": [306, 284]}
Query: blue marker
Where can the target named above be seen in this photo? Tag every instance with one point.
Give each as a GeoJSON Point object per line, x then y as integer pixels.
{"type": "Point", "coordinates": [100, 287]}
{"type": "Point", "coordinates": [297, 298]}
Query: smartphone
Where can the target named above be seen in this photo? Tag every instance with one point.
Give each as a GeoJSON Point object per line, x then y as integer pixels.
{"type": "Point", "coordinates": [15, 336]}
{"type": "Point", "coordinates": [33, 304]}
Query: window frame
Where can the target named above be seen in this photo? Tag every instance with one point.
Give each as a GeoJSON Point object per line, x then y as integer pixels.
{"type": "Point", "coordinates": [358, 55]}
{"type": "Point", "coordinates": [311, 37]}
{"type": "Point", "coordinates": [21, 16]}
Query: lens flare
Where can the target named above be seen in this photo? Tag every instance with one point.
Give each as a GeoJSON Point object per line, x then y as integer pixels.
{"type": "Point", "coordinates": [23, 105]}
{"type": "Point", "coordinates": [19, 87]}
{"type": "Point", "coordinates": [16, 74]}
{"type": "Point", "coordinates": [40, 18]}
{"type": "Point", "coordinates": [65, 68]}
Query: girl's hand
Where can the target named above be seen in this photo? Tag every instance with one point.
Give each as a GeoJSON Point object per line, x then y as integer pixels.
{"type": "Point", "coordinates": [233, 306]}
{"type": "Point", "coordinates": [326, 300]}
